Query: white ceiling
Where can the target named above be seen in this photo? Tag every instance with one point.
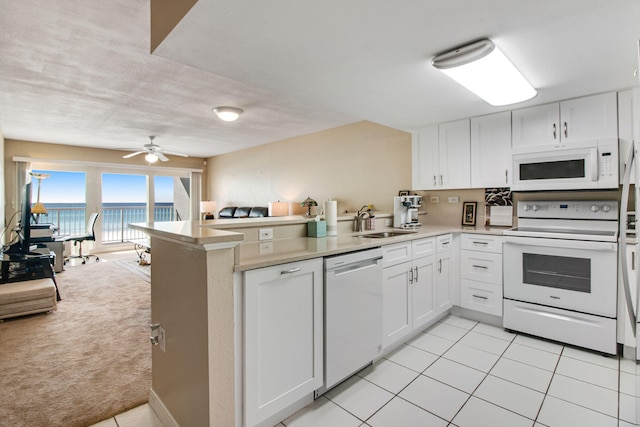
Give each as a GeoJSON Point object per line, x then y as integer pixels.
{"type": "Point", "coordinates": [80, 72]}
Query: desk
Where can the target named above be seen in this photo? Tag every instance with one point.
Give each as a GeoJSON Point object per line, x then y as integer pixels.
{"type": "Point", "coordinates": [18, 267]}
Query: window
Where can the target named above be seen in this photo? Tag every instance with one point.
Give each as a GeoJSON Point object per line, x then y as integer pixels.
{"type": "Point", "coordinates": [63, 196]}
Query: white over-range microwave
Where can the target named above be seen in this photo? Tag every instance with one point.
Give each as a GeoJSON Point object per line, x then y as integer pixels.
{"type": "Point", "coordinates": [574, 166]}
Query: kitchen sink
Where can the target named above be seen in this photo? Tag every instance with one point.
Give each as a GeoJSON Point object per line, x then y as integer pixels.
{"type": "Point", "coordinates": [384, 234]}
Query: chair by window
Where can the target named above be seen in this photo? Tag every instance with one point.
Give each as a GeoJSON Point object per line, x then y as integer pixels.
{"type": "Point", "coordinates": [90, 234]}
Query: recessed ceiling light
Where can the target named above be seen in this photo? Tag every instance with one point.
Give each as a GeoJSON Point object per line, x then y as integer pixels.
{"type": "Point", "coordinates": [483, 69]}
{"type": "Point", "coordinates": [228, 114]}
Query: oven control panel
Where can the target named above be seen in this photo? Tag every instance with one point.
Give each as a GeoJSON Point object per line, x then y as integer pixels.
{"type": "Point", "coordinates": [598, 209]}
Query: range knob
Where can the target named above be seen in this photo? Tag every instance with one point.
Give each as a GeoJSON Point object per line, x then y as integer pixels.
{"type": "Point", "coordinates": [534, 208]}
{"type": "Point", "coordinates": [594, 208]}
{"type": "Point", "coordinates": [606, 208]}
{"type": "Point", "coordinates": [526, 208]}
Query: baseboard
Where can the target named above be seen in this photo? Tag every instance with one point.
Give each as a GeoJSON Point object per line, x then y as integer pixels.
{"type": "Point", "coordinates": [161, 411]}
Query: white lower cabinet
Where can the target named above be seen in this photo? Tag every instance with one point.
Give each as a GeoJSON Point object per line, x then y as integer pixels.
{"type": "Point", "coordinates": [416, 287]}
{"type": "Point", "coordinates": [481, 273]}
{"type": "Point", "coordinates": [444, 273]}
{"type": "Point", "coordinates": [283, 337]}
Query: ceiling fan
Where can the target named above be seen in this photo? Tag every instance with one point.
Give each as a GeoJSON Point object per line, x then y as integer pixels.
{"type": "Point", "coordinates": [154, 152]}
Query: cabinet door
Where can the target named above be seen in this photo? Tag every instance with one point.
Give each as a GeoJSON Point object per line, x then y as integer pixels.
{"type": "Point", "coordinates": [535, 126]}
{"type": "Point", "coordinates": [491, 150]}
{"type": "Point", "coordinates": [454, 153]}
{"type": "Point", "coordinates": [396, 303]}
{"type": "Point", "coordinates": [423, 291]}
{"type": "Point", "coordinates": [283, 347]}
{"type": "Point", "coordinates": [625, 130]}
{"type": "Point", "coordinates": [589, 118]}
{"type": "Point", "coordinates": [444, 286]}
{"type": "Point", "coordinates": [424, 158]}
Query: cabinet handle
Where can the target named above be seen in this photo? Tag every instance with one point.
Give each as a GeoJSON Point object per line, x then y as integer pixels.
{"type": "Point", "coordinates": [411, 276]}
{"type": "Point", "coordinates": [293, 270]}
{"type": "Point", "coordinates": [480, 266]}
{"type": "Point", "coordinates": [480, 297]}
{"type": "Point", "coordinates": [435, 182]}
{"type": "Point", "coordinates": [506, 176]}
{"type": "Point", "coordinates": [441, 180]}
{"type": "Point", "coordinates": [416, 274]}
{"type": "Point", "coordinates": [480, 243]}
{"type": "Point", "coordinates": [564, 129]}
{"type": "Point", "coordinates": [633, 260]}
{"type": "Point", "coordinates": [439, 266]}
{"type": "Point", "coordinates": [554, 131]}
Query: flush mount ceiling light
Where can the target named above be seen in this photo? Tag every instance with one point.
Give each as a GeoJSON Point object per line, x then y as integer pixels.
{"type": "Point", "coordinates": [228, 114]}
{"type": "Point", "coordinates": [483, 69]}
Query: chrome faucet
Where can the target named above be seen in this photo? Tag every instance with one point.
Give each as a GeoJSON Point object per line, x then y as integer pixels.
{"type": "Point", "coordinates": [360, 216]}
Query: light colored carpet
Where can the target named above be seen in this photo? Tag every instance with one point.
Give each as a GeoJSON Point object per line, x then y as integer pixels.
{"type": "Point", "coordinates": [85, 362]}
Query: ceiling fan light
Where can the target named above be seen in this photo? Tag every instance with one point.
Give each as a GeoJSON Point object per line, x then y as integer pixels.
{"type": "Point", "coordinates": [151, 158]}
{"type": "Point", "coordinates": [484, 70]}
{"type": "Point", "coordinates": [228, 114]}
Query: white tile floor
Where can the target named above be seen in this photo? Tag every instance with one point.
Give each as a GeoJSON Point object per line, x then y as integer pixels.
{"type": "Point", "coordinates": [466, 374]}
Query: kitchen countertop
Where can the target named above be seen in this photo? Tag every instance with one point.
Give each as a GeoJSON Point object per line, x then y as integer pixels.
{"type": "Point", "coordinates": [251, 255]}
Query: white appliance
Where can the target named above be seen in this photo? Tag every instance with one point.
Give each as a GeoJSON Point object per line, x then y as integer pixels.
{"type": "Point", "coordinates": [570, 166]}
{"type": "Point", "coordinates": [353, 314]}
{"type": "Point", "coordinates": [405, 211]}
{"type": "Point", "coordinates": [631, 293]}
{"type": "Point", "coordinates": [560, 272]}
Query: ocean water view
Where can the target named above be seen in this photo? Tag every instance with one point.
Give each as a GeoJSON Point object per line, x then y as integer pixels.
{"type": "Point", "coordinates": [71, 218]}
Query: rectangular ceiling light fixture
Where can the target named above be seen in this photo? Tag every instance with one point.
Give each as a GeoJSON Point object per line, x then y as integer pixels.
{"type": "Point", "coordinates": [483, 69]}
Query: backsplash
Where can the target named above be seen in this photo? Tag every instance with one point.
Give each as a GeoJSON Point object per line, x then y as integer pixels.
{"type": "Point", "coordinates": [446, 213]}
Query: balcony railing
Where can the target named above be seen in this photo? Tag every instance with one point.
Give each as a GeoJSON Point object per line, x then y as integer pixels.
{"type": "Point", "coordinates": [115, 220]}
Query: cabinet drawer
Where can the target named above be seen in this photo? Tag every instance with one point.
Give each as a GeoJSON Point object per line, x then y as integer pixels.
{"type": "Point", "coordinates": [444, 242]}
{"type": "Point", "coordinates": [481, 266]}
{"type": "Point", "coordinates": [423, 247]}
{"type": "Point", "coordinates": [396, 254]}
{"type": "Point", "coordinates": [478, 296]}
{"type": "Point", "coordinates": [481, 242]}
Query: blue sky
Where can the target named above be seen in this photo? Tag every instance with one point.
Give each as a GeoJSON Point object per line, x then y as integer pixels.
{"type": "Point", "coordinates": [70, 187]}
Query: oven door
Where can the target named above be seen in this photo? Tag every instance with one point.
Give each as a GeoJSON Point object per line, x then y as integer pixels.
{"type": "Point", "coordinates": [571, 274]}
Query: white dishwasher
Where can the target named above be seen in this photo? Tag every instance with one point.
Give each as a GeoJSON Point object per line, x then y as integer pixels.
{"type": "Point", "coordinates": [353, 313]}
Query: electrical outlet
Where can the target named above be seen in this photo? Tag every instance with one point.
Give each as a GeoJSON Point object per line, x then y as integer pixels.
{"type": "Point", "coordinates": [454, 199]}
{"type": "Point", "coordinates": [435, 199]}
{"type": "Point", "coordinates": [387, 222]}
{"type": "Point", "coordinates": [265, 234]}
{"type": "Point", "coordinates": [161, 338]}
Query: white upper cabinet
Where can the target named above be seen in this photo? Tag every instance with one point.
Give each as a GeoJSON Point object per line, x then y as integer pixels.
{"type": "Point", "coordinates": [441, 156]}
{"type": "Point", "coordinates": [581, 119]}
{"type": "Point", "coordinates": [491, 150]}
{"type": "Point", "coordinates": [536, 126]}
{"type": "Point", "coordinates": [625, 129]}
{"type": "Point", "coordinates": [454, 154]}
{"type": "Point", "coordinates": [424, 150]}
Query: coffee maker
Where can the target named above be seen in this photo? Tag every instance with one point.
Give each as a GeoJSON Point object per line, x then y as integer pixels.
{"type": "Point", "coordinates": [405, 211]}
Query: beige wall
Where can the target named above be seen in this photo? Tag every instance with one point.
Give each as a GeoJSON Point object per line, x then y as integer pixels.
{"type": "Point", "coordinates": [58, 152]}
{"type": "Point", "coordinates": [354, 164]}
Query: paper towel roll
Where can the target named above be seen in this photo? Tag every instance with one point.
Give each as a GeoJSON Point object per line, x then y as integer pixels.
{"type": "Point", "coordinates": [331, 215]}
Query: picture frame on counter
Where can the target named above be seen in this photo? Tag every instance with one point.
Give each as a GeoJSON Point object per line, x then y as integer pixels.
{"type": "Point", "coordinates": [469, 213]}
{"type": "Point", "coordinates": [403, 193]}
